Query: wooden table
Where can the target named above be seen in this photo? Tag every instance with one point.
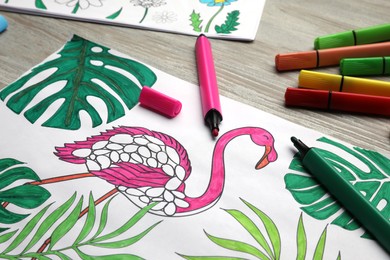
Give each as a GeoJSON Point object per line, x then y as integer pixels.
{"type": "Point", "coordinates": [245, 71]}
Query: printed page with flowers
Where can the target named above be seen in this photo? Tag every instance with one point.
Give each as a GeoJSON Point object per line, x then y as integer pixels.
{"type": "Point", "coordinates": [230, 19]}
{"type": "Point", "coordinates": [87, 173]}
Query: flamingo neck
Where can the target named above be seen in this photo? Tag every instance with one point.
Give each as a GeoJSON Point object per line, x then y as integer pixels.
{"type": "Point", "coordinates": [217, 178]}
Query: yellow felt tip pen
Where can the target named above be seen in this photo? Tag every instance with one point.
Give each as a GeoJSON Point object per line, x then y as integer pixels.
{"type": "Point", "coordinates": [333, 82]}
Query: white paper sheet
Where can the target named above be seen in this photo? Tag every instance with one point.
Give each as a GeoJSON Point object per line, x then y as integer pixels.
{"type": "Point", "coordinates": [206, 232]}
{"type": "Point", "coordinates": [230, 19]}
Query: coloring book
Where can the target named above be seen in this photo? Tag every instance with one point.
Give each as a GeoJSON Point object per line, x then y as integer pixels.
{"type": "Point", "coordinates": [86, 173]}
{"type": "Point", "coordinates": [228, 19]}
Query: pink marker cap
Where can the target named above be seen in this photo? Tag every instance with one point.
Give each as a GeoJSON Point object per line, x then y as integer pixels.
{"type": "Point", "coordinates": [159, 102]}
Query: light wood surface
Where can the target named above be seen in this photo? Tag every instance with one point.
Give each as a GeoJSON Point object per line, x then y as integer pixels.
{"type": "Point", "coordinates": [245, 71]}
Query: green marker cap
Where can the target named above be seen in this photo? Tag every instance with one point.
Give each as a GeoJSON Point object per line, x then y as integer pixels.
{"type": "Point", "coordinates": [373, 34]}
{"type": "Point", "coordinates": [373, 66]}
{"type": "Point", "coordinates": [334, 40]}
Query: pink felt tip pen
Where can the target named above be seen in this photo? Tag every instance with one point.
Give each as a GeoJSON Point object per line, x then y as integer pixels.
{"type": "Point", "coordinates": [211, 105]}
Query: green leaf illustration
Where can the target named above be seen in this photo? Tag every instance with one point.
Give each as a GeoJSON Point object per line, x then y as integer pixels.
{"type": "Point", "coordinates": [301, 240]}
{"type": "Point", "coordinates": [320, 248]}
{"type": "Point", "coordinates": [76, 8]}
{"type": "Point", "coordinates": [230, 24]}
{"type": "Point", "coordinates": [26, 230]}
{"type": "Point", "coordinates": [103, 219]}
{"type": "Point", "coordinates": [271, 229]}
{"type": "Point", "coordinates": [115, 15]}
{"type": "Point", "coordinates": [89, 222]}
{"type": "Point", "coordinates": [126, 226]}
{"type": "Point", "coordinates": [237, 246]}
{"type": "Point", "coordinates": [374, 184]}
{"type": "Point", "coordinates": [126, 242]}
{"type": "Point", "coordinates": [49, 222]}
{"type": "Point", "coordinates": [39, 4]}
{"type": "Point", "coordinates": [272, 236]}
{"type": "Point", "coordinates": [24, 196]}
{"type": "Point", "coordinates": [64, 226]}
{"type": "Point", "coordinates": [7, 236]}
{"type": "Point", "coordinates": [86, 70]}
{"type": "Point", "coordinates": [252, 229]}
{"type": "Point", "coordinates": [196, 21]}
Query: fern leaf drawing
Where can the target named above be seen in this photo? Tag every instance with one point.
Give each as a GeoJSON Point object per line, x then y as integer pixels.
{"type": "Point", "coordinates": [268, 244]}
{"type": "Point", "coordinates": [41, 225]}
{"type": "Point", "coordinates": [196, 21]}
{"type": "Point", "coordinates": [24, 196]}
{"type": "Point", "coordinates": [230, 24]}
{"type": "Point", "coordinates": [86, 70]}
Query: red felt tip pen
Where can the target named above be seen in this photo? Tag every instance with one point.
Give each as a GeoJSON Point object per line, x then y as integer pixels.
{"type": "Point", "coordinates": [338, 101]}
{"type": "Point", "coordinates": [211, 105]}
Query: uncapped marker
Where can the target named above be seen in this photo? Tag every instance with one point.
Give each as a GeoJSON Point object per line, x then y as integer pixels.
{"type": "Point", "coordinates": [211, 105]}
{"type": "Point", "coordinates": [346, 193]}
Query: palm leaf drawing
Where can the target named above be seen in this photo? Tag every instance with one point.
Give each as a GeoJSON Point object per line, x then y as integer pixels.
{"type": "Point", "coordinates": [87, 70]}
{"type": "Point", "coordinates": [40, 226]}
{"type": "Point", "coordinates": [24, 196]}
{"type": "Point", "coordinates": [267, 246]}
{"type": "Point", "coordinates": [374, 184]}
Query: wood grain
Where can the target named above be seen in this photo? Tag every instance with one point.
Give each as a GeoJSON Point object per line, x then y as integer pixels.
{"type": "Point", "coordinates": [245, 70]}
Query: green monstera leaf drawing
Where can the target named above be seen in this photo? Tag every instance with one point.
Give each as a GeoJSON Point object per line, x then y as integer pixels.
{"type": "Point", "coordinates": [24, 196]}
{"type": "Point", "coordinates": [373, 182]}
{"type": "Point", "coordinates": [87, 70]}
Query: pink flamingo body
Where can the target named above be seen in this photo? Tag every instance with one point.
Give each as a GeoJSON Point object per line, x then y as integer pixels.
{"type": "Point", "coordinates": [148, 166]}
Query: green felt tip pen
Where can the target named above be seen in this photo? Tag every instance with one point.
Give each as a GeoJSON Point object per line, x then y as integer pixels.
{"type": "Point", "coordinates": [373, 34]}
{"type": "Point", "coordinates": [345, 193]}
{"type": "Point", "coordinates": [372, 66]}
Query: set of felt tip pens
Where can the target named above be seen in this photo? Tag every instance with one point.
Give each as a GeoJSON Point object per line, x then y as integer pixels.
{"type": "Point", "coordinates": [358, 53]}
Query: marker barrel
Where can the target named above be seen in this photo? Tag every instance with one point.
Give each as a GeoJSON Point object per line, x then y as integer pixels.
{"type": "Point", "coordinates": [373, 66]}
{"type": "Point", "coordinates": [372, 34]}
{"type": "Point", "coordinates": [206, 75]}
{"type": "Point", "coordinates": [348, 196]}
{"type": "Point", "coordinates": [209, 93]}
{"type": "Point", "coordinates": [329, 57]}
{"type": "Point", "coordinates": [326, 81]}
{"type": "Point", "coordinates": [338, 101]}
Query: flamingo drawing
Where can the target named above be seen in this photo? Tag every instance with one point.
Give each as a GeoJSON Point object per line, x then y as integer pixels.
{"type": "Point", "coordinates": [148, 166]}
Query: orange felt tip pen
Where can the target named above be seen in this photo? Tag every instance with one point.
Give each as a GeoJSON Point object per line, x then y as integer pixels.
{"type": "Point", "coordinates": [326, 81]}
{"type": "Point", "coordinates": [328, 57]}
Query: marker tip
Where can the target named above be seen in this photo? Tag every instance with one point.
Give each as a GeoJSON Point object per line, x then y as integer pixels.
{"type": "Point", "coordinates": [215, 132]}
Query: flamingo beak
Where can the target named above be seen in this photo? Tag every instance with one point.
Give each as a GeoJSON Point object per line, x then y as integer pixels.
{"type": "Point", "coordinates": [264, 160]}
